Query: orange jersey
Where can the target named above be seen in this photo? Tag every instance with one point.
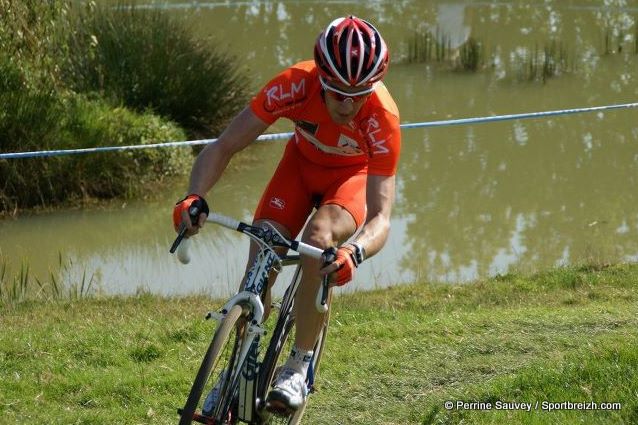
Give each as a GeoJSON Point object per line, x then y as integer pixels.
{"type": "Point", "coordinates": [373, 137]}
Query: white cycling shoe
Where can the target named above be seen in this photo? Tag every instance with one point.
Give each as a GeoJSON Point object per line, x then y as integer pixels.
{"type": "Point", "coordinates": [289, 391]}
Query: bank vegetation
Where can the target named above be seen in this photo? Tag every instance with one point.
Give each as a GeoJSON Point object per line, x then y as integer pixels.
{"type": "Point", "coordinates": [74, 75]}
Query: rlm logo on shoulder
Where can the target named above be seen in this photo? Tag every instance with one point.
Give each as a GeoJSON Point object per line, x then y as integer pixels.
{"type": "Point", "coordinates": [371, 129]}
{"type": "Point", "coordinates": [277, 203]}
{"type": "Point", "coordinates": [281, 95]}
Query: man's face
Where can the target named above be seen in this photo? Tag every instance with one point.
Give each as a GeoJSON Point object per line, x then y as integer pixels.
{"type": "Point", "coordinates": [344, 102]}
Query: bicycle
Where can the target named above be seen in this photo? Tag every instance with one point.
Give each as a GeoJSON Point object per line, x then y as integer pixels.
{"type": "Point", "coordinates": [232, 361]}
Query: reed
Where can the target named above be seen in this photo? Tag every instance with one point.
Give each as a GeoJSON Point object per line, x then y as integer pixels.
{"type": "Point", "coordinates": [471, 55]}
{"type": "Point", "coordinates": [21, 286]}
{"type": "Point", "coordinates": [3, 274]}
{"type": "Point", "coordinates": [541, 64]}
{"type": "Point", "coordinates": [527, 64]}
{"type": "Point", "coordinates": [442, 46]}
{"type": "Point", "coordinates": [613, 40]}
{"type": "Point", "coordinates": [14, 288]}
{"type": "Point", "coordinates": [424, 47]}
{"type": "Point", "coordinates": [418, 47]}
{"type": "Point", "coordinates": [31, 34]}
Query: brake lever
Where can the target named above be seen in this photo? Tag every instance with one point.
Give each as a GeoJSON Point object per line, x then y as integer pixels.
{"type": "Point", "coordinates": [329, 256]}
{"type": "Point", "coordinates": [193, 213]}
{"type": "Point", "coordinates": [180, 235]}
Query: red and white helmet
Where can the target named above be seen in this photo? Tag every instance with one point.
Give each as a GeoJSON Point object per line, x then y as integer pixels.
{"type": "Point", "coordinates": [351, 51]}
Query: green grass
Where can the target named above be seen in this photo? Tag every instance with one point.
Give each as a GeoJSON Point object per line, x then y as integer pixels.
{"type": "Point", "coordinates": [393, 356]}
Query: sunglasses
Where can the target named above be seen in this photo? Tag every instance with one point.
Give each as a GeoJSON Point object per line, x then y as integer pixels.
{"type": "Point", "coordinates": [342, 96]}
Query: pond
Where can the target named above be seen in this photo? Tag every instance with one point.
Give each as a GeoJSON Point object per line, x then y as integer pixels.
{"type": "Point", "coordinates": [473, 200]}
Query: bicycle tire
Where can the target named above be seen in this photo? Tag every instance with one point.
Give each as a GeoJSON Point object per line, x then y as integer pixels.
{"type": "Point", "coordinates": [214, 353]}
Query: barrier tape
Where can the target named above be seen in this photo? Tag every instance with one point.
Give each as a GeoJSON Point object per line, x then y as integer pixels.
{"type": "Point", "coordinates": [277, 136]}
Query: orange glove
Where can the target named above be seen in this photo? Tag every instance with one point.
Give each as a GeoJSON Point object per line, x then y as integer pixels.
{"type": "Point", "coordinates": [194, 204]}
{"type": "Point", "coordinates": [348, 258]}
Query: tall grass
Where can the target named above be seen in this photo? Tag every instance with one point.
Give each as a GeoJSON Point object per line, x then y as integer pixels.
{"type": "Point", "coordinates": [149, 59]}
{"type": "Point", "coordinates": [14, 288]}
{"type": "Point", "coordinates": [19, 286]}
{"type": "Point", "coordinates": [425, 47]}
{"type": "Point", "coordinates": [30, 35]}
{"type": "Point", "coordinates": [616, 40]}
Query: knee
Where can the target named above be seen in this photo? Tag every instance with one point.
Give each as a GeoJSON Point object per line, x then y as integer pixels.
{"type": "Point", "coordinates": [319, 233]}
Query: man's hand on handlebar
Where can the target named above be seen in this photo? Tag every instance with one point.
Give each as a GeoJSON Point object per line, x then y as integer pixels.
{"type": "Point", "coordinates": [189, 214]}
{"type": "Point", "coordinates": [341, 263]}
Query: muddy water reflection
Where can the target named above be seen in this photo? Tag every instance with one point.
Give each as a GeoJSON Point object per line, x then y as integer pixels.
{"type": "Point", "coordinates": [473, 200]}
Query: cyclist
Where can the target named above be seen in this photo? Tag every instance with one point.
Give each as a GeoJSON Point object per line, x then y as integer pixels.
{"type": "Point", "coordinates": [341, 160]}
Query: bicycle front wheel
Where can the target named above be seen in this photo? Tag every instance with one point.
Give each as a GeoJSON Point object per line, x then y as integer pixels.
{"type": "Point", "coordinates": [217, 362]}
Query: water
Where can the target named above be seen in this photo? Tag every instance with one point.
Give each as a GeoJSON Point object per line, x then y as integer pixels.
{"type": "Point", "coordinates": [473, 201]}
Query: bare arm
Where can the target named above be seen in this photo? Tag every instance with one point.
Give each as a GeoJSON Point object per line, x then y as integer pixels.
{"type": "Point", "coordinates": [374, 233]}
{"type": "Point", "coordinates": [380, 198]}
{"type": "Point", "coordinates": [213, 159]}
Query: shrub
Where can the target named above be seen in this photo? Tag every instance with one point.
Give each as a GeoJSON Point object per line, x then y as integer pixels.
{"type": "Point", "coordinates": [99, 77]}
{"type": "Point", "coordinates": [107, 175]}
{"type": "Point", "coordinates": [146, 59]}
{"type": "Point", "coordinates": [74, 122]}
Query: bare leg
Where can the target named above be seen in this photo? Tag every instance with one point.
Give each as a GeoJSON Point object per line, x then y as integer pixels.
{"type": "Point", "coordinates": [329, 226]}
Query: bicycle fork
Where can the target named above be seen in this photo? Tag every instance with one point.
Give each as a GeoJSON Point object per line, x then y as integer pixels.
{"type": "Point", "coordinates": [245, 373]}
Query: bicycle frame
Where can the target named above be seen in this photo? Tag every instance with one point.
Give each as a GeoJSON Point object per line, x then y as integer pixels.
{"type": "Point", "coordinates": [244, 374]}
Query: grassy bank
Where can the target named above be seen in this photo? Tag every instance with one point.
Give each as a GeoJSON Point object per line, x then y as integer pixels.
{"type": "Point", "coordinates": [75, 75]}
{"type": "Point", "coordinates": [394, 356]}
